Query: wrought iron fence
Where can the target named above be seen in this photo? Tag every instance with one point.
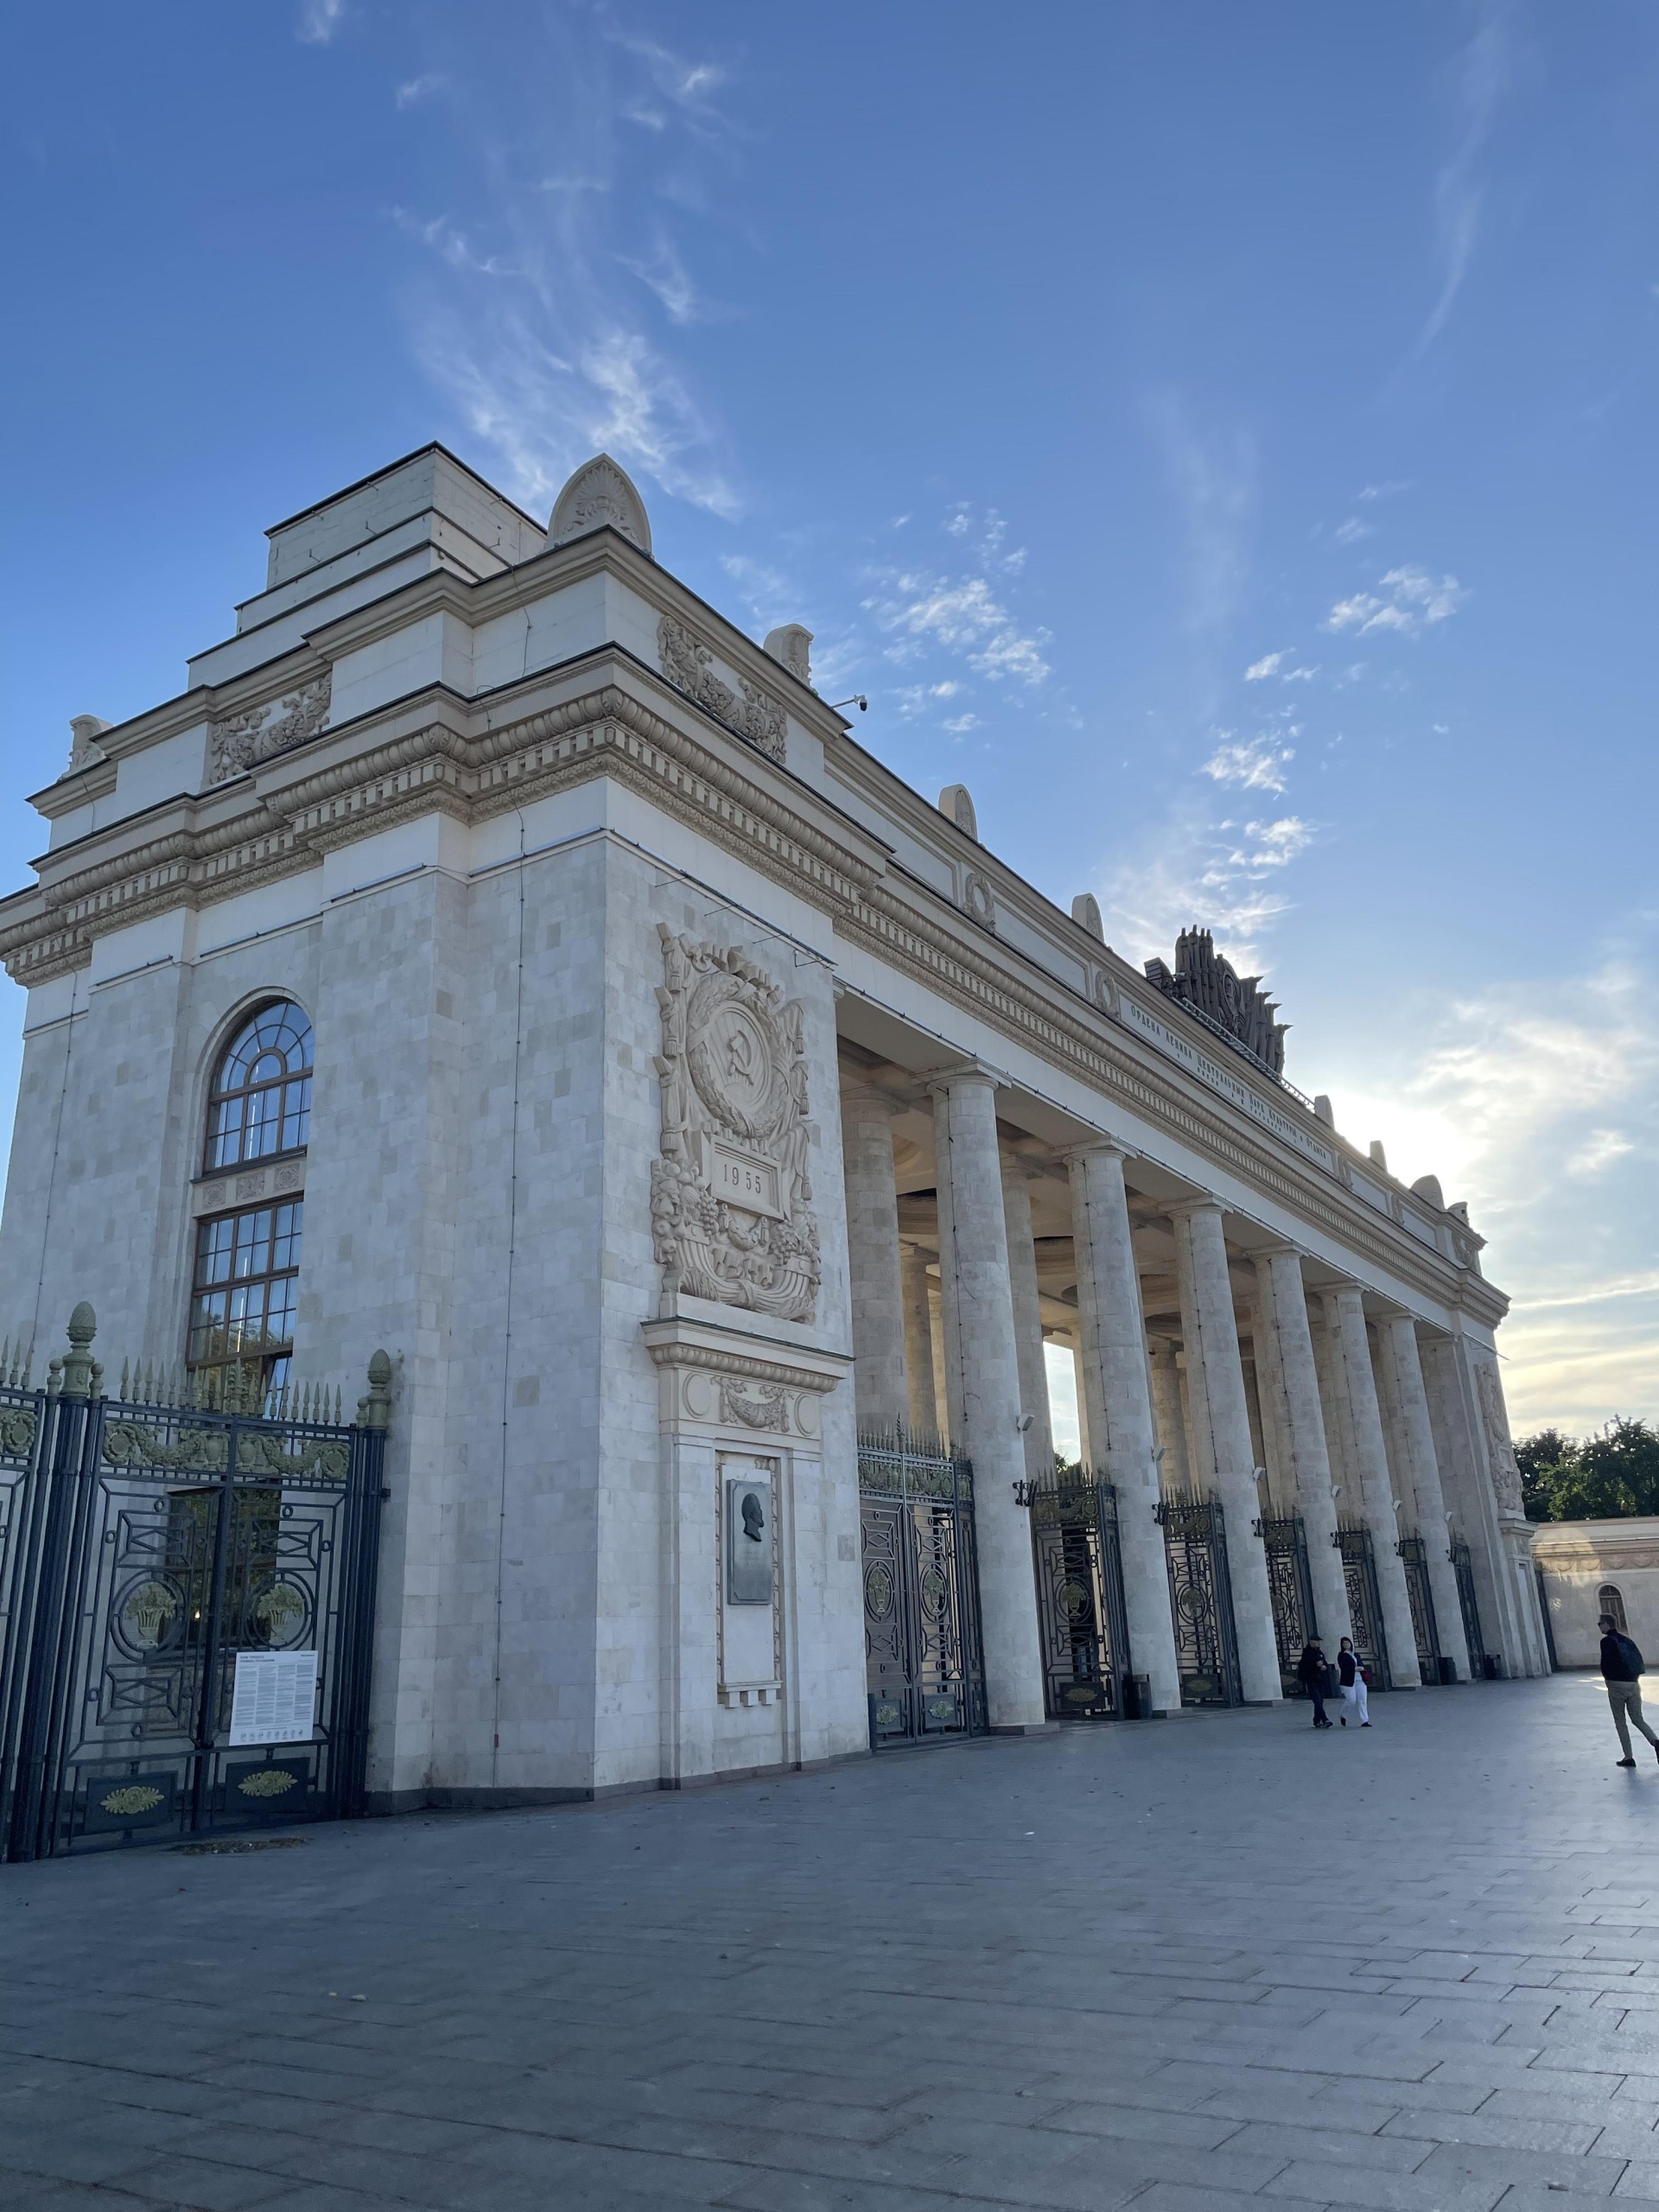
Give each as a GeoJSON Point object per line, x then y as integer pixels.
{"type": "Point", "coordinates": [1353, 1540]}
{"type": "Point", "coordinates": [1425, 1628]}
{"type": "Point", "coordinates": [1290, 1587]}
{"type": "Point", "coordinates": [1480, 1668]}
{"type": "Point", "coordinates": [925, 1665]}
{"type": "Point", "coordinates": [189, 1597]}
{"type": "Point", "coordinates": [1201, 1599]}
{"type": "Point", "coordinates": [1080, 1611]}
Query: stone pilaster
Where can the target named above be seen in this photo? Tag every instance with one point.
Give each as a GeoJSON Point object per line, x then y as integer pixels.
{"type": "Point", "coordinates": [982, 1376]}
{"type": "Point", "coordinates": [1027, 1319]}
{"type": "Point", "coordinates": [1355, 1386]}
{"type": "Point", "coordinates": [1113, 1330]}
{"type": "Point", "coordinates": [1220, 1432]}
{"type": "Point", "coordinates": [879, 1389]}
{"type": "Point", "coordinates": [1290, 1387]}
{"type": "Point", "coordinates": [1397, 1338]}
{"type": "Point", "coordinates": [925, 1418]}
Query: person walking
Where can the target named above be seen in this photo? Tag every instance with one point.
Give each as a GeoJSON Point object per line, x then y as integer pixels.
{"type": "Point", "coordinates": [1353, 1683]}
{"type": "Point", "coordinates": [1314, 1673]}
{"type": "Point", "coordinates": [1621, 1669]}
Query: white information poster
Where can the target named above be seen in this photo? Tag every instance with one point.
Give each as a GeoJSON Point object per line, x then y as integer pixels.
{"type": "Point", "coordinates": [274, 1698]}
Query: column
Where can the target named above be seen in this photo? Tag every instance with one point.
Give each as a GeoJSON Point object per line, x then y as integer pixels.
{"type": "Point", "coordinates": [1114, 1368]}
{"type": "Point", "coordinates": [1357, 1387]}
{"type": "Point", "coordinates": [918, 1345]}
{"type": "Point", "coordinates": [1290, 1386]}
{"type": "Point", "coordinates": [872, 1256]}
{"type": "Point", "coordinates": [1168, 1415]}
{"type": "Point", "coordinates": [1028, 1320]}
{"type": "Point", "coordinates": [1085, 1452]}
{"type": "Point", "coordinates": [981, 1380]}
{"type": "Point", "coordinates": [1397, 1343]}
{"type": "Point", "coordinates": [1220, 1434]}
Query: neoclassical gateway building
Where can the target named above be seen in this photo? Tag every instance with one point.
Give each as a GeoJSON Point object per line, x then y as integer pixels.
{"type": "Point", "coordinates": [494, 956]}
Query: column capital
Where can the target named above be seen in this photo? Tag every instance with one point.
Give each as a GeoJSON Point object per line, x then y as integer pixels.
{"type": "Point", "coordinates": [869, 1099]}
{"type": "Point", "coordinates": [1177, 1209]}
{"type": "Point", "coordinates": [947, 1079]}
{"type": "Point", "coordinates": [1281, 1249]}
{"type": "Point", "coordinates": [1113, 1147]}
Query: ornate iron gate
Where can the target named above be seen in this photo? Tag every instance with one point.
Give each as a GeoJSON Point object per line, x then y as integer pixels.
{"type": "Point", "coordinates": [1353, 1540]}
{"type": "Point", "coordinates": [1080, 1612]}
{"type": "Point", "coordinates": [1290, 1586]}
{"type": "Point", "coordinates": [1201, 1600]}
{"type": "Point", "coordinates": [1463, 1567]}
{"type": "Point", "coordinates": [924, 1668]}
{"type": "Point", "coordinates": [188, 1608]}
{"type": "Point", "coordinates": [1425, 1629]}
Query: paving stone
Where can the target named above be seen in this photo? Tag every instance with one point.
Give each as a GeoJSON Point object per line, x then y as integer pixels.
{"type": "Point", "coordinates": [1077, 1973]}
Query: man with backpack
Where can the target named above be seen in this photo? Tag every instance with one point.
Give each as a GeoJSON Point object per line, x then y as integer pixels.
{"type": "Point", "coordinates": [1621, 1669]}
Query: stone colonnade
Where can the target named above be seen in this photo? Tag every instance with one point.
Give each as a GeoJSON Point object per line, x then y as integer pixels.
{"type": "Point", "coordinates": [1338, 1399]}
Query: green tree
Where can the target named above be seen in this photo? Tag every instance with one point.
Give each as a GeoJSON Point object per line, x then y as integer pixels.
{"type": "Point", "coordinates": [1608, 1477]}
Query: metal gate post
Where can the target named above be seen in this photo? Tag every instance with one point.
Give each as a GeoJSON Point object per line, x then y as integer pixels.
{"type": "Point", "coordinates": [55, 1596]}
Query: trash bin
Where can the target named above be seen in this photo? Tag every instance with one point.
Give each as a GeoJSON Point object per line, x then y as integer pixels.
{"type": "Point", "coordinates": [1137, 1697]}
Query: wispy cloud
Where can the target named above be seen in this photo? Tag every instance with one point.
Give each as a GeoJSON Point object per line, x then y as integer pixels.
{"type": "Point", "coordinates": [1414, 598]}
{"type": "Point", "coordinates": [1213, 473]}
{"type": "Point", "coordinates": [1479, 77]}
{"type": "Point", "coordinates": [664, 273]}
{"type": "Point", "coordinates": [319, 22]}
{"type": "Point", "coordinates": [528, 315]}
{"type": "Point", "coordinates": [417, 90]}
{"type": "Point", "coordinates": [1257, 764]}
{"type": "Point", "coordinates": [1350, 532]}
{"type": "Point", "coordinates": [1516, 1097]}
{"type": "Point", "coordinates": [1388, 491]}
{"type": "Point", "coordinates": [921, 611]}
{"type": "Point", "coordinates": [1259, 670]}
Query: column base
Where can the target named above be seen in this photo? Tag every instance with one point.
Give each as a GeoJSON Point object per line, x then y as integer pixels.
{"type": "Point", "coordinates": [1024, 1728]}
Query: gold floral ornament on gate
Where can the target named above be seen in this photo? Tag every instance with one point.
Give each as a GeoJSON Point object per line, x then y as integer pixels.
{"type": "Point", "coordinates": [133, 1797]}
{"type": "Point", "coordinates": [269, 1782]}
{"type": "Point", "coordinates": [731, 1195]}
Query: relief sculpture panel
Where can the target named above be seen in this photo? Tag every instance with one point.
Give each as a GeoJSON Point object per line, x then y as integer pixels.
{"type": "Point", "coordinates": [731, 1194]}
{"type": "Point", "coordinates": [1500, 1452]}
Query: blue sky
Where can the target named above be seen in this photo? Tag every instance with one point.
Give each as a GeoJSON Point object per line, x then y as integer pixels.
{"type": "Point", "coordinates": [1222, 437]}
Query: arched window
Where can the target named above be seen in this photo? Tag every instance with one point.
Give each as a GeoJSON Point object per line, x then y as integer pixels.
{"type": "Point", "coordinates": [261, 1101]}
{"type": "Point", "coordinates": [247, 1263]}
{"type": "Point", "coordinates": [1610, 1599]}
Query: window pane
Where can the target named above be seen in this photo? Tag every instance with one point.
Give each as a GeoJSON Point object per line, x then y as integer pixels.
{"type": "Point", "coordinates": [261, 1096]}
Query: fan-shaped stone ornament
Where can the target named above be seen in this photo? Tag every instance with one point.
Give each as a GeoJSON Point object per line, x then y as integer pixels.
{"type": "Point", "coordinates": [601, 494]}
{"type": "Point", "coordinates": [956, 806]}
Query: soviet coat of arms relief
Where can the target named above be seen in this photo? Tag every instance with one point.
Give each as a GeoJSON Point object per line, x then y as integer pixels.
{"type": "Point", "coordinates": [731, 1195]}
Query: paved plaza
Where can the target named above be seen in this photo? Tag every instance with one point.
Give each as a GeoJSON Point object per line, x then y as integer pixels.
{"type": "Point", "coordinates": [1185, 1965]}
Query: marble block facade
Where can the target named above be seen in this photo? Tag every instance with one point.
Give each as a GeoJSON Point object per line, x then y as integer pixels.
{"type": "Point", "coordinates": [583, 913]}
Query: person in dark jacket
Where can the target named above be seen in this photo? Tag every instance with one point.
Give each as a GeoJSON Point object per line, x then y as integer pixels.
{"type": "Point", "coordinates": [1621, 1669]}
{"type": "Point", "coordinates": [1314, 1674]}
{"type": "Point", "coordinates": [1351, 1667]}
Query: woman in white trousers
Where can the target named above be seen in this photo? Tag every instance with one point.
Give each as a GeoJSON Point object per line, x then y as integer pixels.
{"type": "Point", "coordinates": [1353, 1684]}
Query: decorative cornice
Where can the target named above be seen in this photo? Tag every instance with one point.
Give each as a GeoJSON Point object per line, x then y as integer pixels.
{"type": "Point", "coordinates": [744, 1365]}
{"type": "Point", "coordinates": [298, 812]}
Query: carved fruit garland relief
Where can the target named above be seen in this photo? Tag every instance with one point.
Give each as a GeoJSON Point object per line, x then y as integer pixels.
{"type": "Point", "coordinates": [731, 1194]}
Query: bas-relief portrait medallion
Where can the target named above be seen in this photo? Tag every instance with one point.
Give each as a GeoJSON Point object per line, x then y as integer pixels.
{"type": "Point", "coordinates": [748, 1540]}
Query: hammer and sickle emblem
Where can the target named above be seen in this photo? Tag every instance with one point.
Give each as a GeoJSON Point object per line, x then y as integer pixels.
{"type": "Point", "coordinates": [739, 1052]}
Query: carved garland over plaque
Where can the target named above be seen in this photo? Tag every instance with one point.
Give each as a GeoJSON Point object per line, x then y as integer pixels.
{"type": "Point", "coordinates": [1206, 981]}
{"type": "Point", "coordinates": [235, 745]}
{"type": "Point", "coordinates": [688, 666]}
{"type": "Point", "coordinates": [1500, 1453]}
{"type": "Point", "coordinates": [730, 1195]}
